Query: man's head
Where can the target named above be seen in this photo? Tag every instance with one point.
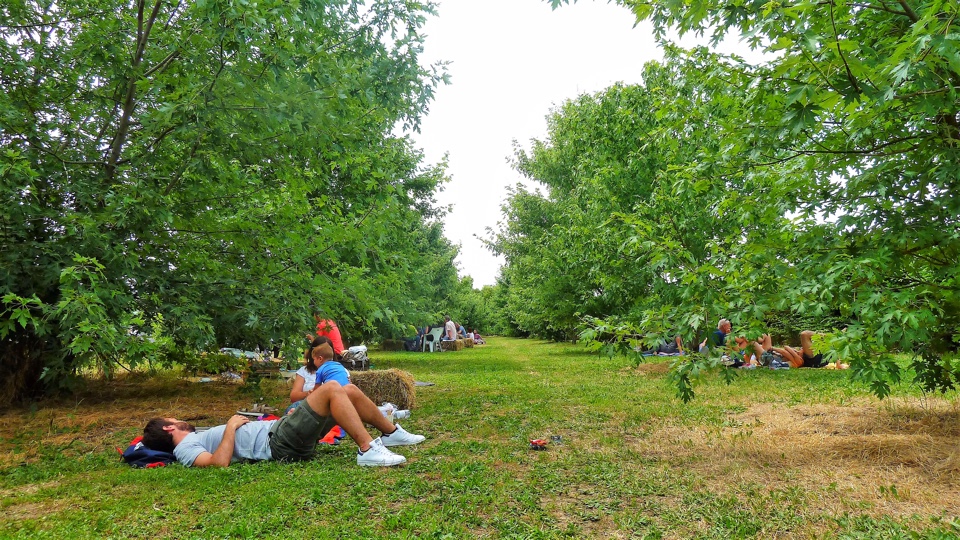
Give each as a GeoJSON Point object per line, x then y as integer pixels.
{"type": "Point", "coordinates": [164, 434]}
{"type": "Point", "coordinates": [724, 326]}
{"type": "Point", "coordinates": [446, 318]}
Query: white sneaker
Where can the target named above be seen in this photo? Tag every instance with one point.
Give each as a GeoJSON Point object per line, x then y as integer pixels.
{"type": "Point", "coordinates": [378, 456]}
{"type": "Point", "coordinates": [401, 437]}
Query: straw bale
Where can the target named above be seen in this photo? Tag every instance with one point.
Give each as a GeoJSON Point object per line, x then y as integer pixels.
{"type": "Point", "coordinates": [455, 345]}
{"type": "Point", "coordinates": [386, 385]}
{"type": "Point", "coordinates": [468, 343]}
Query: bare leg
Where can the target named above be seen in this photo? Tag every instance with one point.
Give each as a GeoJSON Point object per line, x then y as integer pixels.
{"type": "Point", "coordinates": [792, 356]}
{"type": "Point", "coordinates": [762, 345]}
{"type": "Point", "coordinates": [806, 342]}
{"type": "Point", "coordinates": [367, 410]}
{"type": "Point", "coordinates": [330, 399]}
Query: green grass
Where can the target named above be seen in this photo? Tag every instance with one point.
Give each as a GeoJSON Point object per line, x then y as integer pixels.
{"type": "Point", "coordinates": [475, 476]}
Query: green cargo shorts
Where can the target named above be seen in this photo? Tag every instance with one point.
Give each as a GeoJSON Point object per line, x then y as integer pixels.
{"type": "Point", "coordinates": [294, 437]}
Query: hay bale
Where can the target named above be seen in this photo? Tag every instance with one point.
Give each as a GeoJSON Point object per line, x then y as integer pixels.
{"type": "Point", "coordinates": [386, 385]}
{"type": "Point", "coordinates": [391, 345]}
{"type": "Point", "coordinates": [468, 343]}
{"type": "Point", "coordinates": [455, 345]}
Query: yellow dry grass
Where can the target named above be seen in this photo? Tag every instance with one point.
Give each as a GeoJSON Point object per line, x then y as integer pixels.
{"type": "Point", "coordinates": [91, 420]}
{"type": "Point", "coordinates": [455, 345]}
{"type": "Point", "coordinates": [386, 386]}
{"type": "Point", "coordinates": [896, 459]}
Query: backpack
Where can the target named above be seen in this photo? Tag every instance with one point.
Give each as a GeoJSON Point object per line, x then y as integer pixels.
{"type": "Point", "coordinates": [355, 358]}
{"type": "Point", "coordinates": [139, 456]}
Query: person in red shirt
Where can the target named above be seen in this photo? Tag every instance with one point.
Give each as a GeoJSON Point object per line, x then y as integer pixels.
{"type": "Point", "coordinates": [328, 328]}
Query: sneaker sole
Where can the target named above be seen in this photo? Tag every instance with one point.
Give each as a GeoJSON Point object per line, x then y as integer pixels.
{"type": "Point", "coordinates": [368, 464]}
{"type": "Point", "coordinates": [405, 443]}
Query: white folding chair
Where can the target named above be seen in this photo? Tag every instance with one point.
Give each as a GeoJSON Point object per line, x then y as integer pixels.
{"type": "Point", "coordinates": [432, 339]}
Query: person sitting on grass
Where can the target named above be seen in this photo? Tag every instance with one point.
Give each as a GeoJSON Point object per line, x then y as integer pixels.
{"type": "Point", "coordinates": [477, 338]}
{"type": "Point", "coordinates": [734, 357]}
{"type": "Point", "coordinates": [797, 359]}
{"type": "Point", "coordinates": [719, 336]}
{"type": "Point", "coordinates": [667, 348]}
{"type": "Point", "coordinates": [319, 366]}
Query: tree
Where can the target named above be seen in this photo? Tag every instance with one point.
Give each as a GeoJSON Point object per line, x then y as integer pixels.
{"type": "Point", "coordinates": [178, 173]}
{"type": "Point", "coordinates": [623, 221]}
{"type": "Point", "coordinates": [853, 125]}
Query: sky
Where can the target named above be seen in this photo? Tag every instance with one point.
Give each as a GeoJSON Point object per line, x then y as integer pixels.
{"type": "Point", "coordinates": [511, 62]}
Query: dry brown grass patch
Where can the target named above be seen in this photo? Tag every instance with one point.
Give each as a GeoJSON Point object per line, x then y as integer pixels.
{"type": "Point", "coordinates": [658, 368]}
{"type": "Point", "coordinates": [91, 420]}
{"type": "Point", "coordinates": [897, 460]}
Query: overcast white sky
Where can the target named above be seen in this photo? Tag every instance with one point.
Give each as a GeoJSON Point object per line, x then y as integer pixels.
{"type": "Point", "coordinates": [511, 62]}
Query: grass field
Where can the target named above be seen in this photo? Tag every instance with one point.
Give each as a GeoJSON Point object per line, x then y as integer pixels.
{"type": "Point", "coordinates": [778, 454]}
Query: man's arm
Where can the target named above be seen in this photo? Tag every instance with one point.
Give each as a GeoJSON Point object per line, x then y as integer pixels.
{"type": "Point", "coordinates": [221, 456]}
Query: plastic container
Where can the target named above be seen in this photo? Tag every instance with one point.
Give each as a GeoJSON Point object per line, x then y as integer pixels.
{"type": "Point", "coordinates": [387, 409]}
{"type": "Point", "coordinates": [401, 414]}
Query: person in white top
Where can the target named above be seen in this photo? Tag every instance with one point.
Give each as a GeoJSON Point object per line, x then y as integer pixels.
{"type": "Point", "coordinates": [449, 329]}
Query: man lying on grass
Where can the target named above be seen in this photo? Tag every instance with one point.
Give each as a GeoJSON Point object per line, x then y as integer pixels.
{"type": "Point", "coordinates": [291, 438]}
{"type": "Point", "coordinates": [806, 357]}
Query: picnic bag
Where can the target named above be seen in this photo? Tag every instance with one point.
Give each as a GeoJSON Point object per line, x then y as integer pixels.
{"type": "Point", "coordinates": [139, 456]}
{"type": "Point", "coordinates": [355, 358]}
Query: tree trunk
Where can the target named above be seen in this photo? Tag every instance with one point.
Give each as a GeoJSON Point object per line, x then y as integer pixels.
{"type": "Point", "coordinates": [21, 363]}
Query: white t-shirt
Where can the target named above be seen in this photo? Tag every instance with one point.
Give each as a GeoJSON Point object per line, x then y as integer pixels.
{"type": "Point", "coordinates": [309, 379]}
{"type": "Point", "coordinates": [449, 331]}
{"type": "Point", "coordinates": [252, 442]}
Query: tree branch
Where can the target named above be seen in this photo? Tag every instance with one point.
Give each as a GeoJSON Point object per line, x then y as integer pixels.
{"type": "Point", "coordinates": [143, 34]}
{"type": "Point", "coordinates": [911, 14]}
{"type": "Point", "coordinates": [846, 66]}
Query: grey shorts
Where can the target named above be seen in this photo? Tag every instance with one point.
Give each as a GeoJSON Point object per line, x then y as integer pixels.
{"type": "Point", "coordinates": [294, 437]}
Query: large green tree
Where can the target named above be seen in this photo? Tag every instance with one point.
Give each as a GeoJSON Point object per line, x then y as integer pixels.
{"type": "Point", "coordinates": [852, 127]}
{"type": "Point", "coordinates": [175, 173]}
{"type": "Point", "coordinates": [623, 222]}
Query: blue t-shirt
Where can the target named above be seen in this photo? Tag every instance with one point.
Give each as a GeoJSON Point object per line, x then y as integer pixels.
{"type": "Point", "coordinates": [332, 371]}
{"type": "Point", "coordinates": [718, 338]}
{"type": "Point", "coordinates": [252, 442]}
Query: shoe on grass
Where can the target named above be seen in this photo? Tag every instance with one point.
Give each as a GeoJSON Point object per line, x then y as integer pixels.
{"type": "Point", "coordinates": [378, 456]}
{"type": "Point", "coordinates": [401, 437]}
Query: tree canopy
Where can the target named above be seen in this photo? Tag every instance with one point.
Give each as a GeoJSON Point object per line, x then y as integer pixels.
{"type": "Point", "coordinates": [178, 175]}
{"type": "Point", "coordinates": [837, 165]}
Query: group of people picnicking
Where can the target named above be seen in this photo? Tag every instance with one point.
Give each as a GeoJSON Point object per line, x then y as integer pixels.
{"type": "Point", "coordinates": [747, 353]}
{"type": "Point", "coordinates": [451, 332]}
{"type": "Point", "coordinates": [323, 399]}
